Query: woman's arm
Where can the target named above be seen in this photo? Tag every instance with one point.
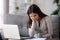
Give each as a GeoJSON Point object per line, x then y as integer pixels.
{"type": "Point", "coordinates": [49, 26]}
{"type": "Point", "coordinates": [31, 32]}
{"type": "Point", "coordinates": [32, 29]}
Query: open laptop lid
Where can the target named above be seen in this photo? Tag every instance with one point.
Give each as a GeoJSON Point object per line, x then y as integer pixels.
{"type": "Point", "coordinates": [11, 31]}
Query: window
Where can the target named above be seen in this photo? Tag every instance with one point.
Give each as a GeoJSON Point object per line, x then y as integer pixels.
{"type": "Point", "coordinates": [19, 7]}
{"type": "Point", "coordinates": [1, 12]}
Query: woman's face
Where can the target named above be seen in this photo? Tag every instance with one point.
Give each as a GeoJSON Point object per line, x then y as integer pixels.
{"type": "Point", "coordinates": [34, 16]}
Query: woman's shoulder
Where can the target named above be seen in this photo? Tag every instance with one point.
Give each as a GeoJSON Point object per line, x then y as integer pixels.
{"type": "Point", "coordinates": [46, 18]}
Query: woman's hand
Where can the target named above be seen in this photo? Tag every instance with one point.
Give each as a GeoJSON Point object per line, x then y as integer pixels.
{"type": "Point", "coordinates": [34, 25]}
{"type": "Point", "coordinates": [33, 20]}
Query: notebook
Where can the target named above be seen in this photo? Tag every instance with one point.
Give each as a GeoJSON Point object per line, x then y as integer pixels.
{"type": "Point", "coordinates": [11, 31]}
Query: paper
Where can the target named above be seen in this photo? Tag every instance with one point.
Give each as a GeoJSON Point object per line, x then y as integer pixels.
{"type": "Point", "coordinates": [37, 39]}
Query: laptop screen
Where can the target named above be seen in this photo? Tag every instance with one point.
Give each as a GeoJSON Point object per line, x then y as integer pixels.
{"type": "Point", "coordinates": [11, 31]}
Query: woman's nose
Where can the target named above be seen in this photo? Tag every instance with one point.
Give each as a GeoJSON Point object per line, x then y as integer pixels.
{"type": "Point", "coordinates": [34, 17]}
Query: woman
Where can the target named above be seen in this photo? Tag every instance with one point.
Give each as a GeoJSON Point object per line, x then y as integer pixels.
{"type": "Point", "coordinates": [39, 24]}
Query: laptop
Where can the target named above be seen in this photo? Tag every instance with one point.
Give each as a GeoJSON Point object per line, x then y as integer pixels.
{"type": "Point", "coordinates": [11, 31]}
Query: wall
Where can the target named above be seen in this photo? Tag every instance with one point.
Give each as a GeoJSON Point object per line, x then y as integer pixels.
{"type": "Point", "coordinates": [47, 6]}
{"type": "Point", "coordinates": [1, 13]}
